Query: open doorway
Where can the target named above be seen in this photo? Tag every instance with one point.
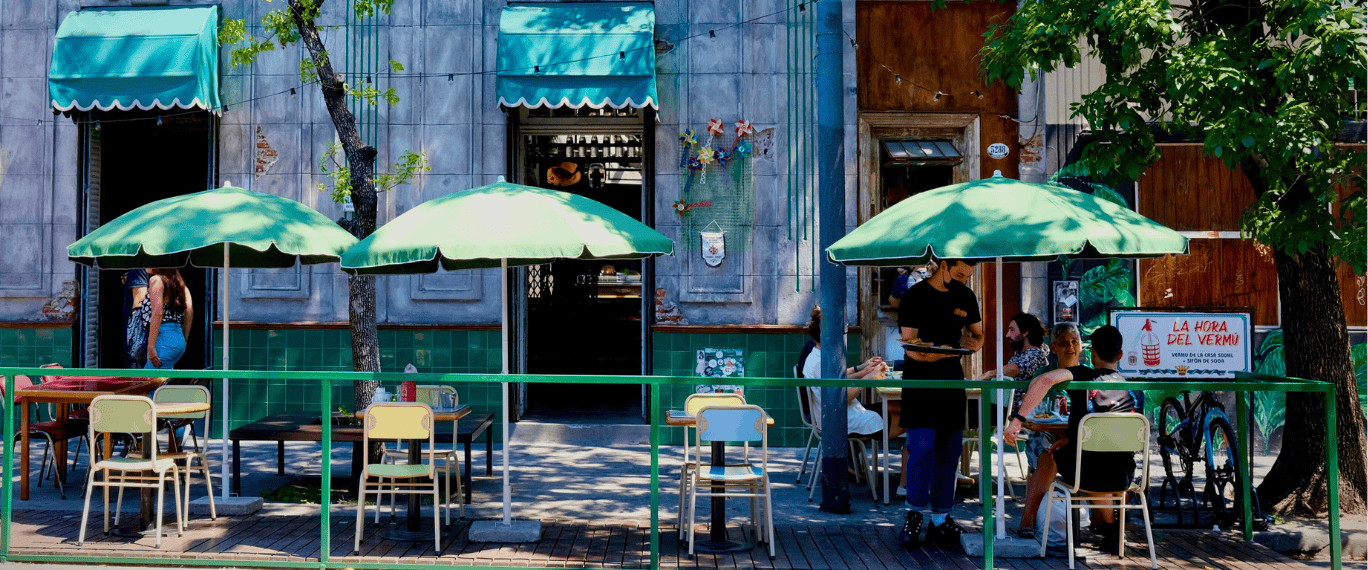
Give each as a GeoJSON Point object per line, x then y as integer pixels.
{"type": "Point", "coordinates": [142, 161]}
{"type": "Point", "coordinates": [585, 317]}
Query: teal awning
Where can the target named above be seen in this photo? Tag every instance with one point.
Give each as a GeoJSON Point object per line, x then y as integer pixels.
{"type": "Point", "coordinates": [597, 54]}
{"type": "Point", "coordinates": [136, 58]}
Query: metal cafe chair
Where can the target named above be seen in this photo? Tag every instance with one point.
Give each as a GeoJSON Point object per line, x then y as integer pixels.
{"type": "Point", "coordinates": [186, 394]}
{"type": "Point", "coordinates": [433, 397]}
{"type": "Point", "coordinates": [50, 432]}
{"type": "Point", "coordinates": [746, 478]}
{"type": "Point", "coordinates": [1107, 432]}
{"type": "Point", "coordinates": [398, 421]}
{"type": "Point", "coordinates": [129, 415]}
{"type": "Point", "coordinates": [692, 404]}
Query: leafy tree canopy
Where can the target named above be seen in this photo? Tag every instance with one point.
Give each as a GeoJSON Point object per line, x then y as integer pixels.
{"type": "Point", "coordinates": [1261, 84]}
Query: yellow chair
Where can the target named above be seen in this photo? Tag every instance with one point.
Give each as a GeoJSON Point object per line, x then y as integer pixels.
{"type": "Point", "coordinates": [188, 394]}
{"type": "Point", "coordinates": [433, 397]}
{"type": "Point", "coordinates": [131, 415]}
{"type": "Point", "coordinates": [399, 421]}
{"type": "Point", "coordinates": [692, 404]}
{"type": "Point", "coordinates": [1107, 432]}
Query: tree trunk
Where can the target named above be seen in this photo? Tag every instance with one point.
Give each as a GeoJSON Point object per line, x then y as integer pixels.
{"type": "Point", "coordinates": [1316, 346]}
{"type": "Point", "coordinates": [361, 160]}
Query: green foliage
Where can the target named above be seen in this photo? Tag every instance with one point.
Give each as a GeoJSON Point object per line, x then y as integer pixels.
{"type": "Point", "coordinates": [409, 165]}
{"type": "Point", "coordinates": [1260, 88]}
{"type": "Point", "coordinates": [1360, 354]}
{"type": "Point", "coordinates": [1103, 287]}
{"type": "Point", "coordinates": [1270, 408]}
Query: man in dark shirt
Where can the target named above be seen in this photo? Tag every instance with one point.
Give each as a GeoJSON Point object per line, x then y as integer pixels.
{"type": "Point", "coordinates": [942, 311]}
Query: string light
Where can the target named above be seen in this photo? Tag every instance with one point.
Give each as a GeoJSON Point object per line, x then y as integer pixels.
{"type": "Point", "coordinates": [938, 96]}
{"type": "Point", "coordinates": [712, 33]}
{"type": "Point", "coordinates": [292, 90]}
{"type": "Point", "coordinates": [159, 120]}
{"type": "Point", "coordinates": [97, 124]}
{"type": "Point", "coordinates": [802, 7]}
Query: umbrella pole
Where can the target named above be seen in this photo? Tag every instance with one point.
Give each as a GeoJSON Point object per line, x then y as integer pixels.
{"type": "Point", "coordinates": [1001, 407]}
{"type": "Point", "coordinates": [503, 317]}
{"type": "Point", "coordinates": [223, 415]}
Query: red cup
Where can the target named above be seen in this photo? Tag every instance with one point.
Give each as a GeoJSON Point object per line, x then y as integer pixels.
{"type": "Point", "coordinates": [408, 391]}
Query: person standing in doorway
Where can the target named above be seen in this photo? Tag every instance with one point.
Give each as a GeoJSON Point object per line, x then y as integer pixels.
{"type": "Point", "coordinates": [135, 337]}
{"type": "Point", "coordinates": [173, 312]}
{"type": "Point", "coordinates": [941, 311]}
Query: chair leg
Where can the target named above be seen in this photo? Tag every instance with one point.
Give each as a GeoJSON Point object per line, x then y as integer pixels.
{"type": "Point", "coordinates": [85, 512]}
{"type": "Point", "coordinates": [361, 512]}
{"type": "Point", "coordinates": [1068, 524]}
{"type": "Point", "coordinates": [208, 490]}
{"type": "Point", "coordinates": [816, 472]}
{"type": "Point", "coordinates": [683, 482]}
{"type": "Point", "coordinates": [118, 506]}
{"type": "Point", "coordinates": [176, 488]}
{"type": "Point", "coordinates": [769, 517]}
{"type": "Point", "coordinates": [1121, 524]}
{"type": "Point", "coordinates": [693, 500]}
{"type": "Point", "coordinates": [437, 517]}
{"type": "Point", "coordinates": [1149, 534]}
{"type": "Point", "coordinates": [161, 497]}
{"type": "Point", "coordinates": [806, 452]}
{"type": "Point", "coordinates": [1049, 507]}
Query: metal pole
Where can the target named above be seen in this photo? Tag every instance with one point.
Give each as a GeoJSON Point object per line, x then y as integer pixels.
{"type": "Point", "coordinates": [503, 316]}
{"type": "Point", "coordinates": [829, 63]}
{"type": "Point", "coordinates": [1001, 407]}
{"type": "Point", "coordinates": [223, 417]}
{"type": "Point", "coordinates": [1332, 473]}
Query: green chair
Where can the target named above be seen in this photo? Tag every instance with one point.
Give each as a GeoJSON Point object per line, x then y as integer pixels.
{"type": "Point", "coordinates": [188, 394]}
{"type": "Point", "coordinates": [432, 396]}
{"type": "Point", "coordinates": [131, 415]}
{"type": "Point", "coordinates": [1107, 432]}
{"type": "Point", "coordinates": [410, 421]}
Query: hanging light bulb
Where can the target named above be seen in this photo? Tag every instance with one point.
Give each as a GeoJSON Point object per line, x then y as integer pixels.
{"type": "Point", "coordinates": [97, 125]}
{"type": "Point", "coordinates": [159, 120]}
{"type": "Point", "coordinates": [897, 79]}
{"type": "Point", "coordinates": [938, 96]}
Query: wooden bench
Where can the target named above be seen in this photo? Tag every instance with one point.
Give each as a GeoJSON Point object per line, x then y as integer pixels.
{"type": "Point", "coordinates": [281, 428]}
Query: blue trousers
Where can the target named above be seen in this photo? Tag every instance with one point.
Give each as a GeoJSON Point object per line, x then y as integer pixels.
{"type": "Point", "coordinates": [933, 467]}
{"type": "Point", "coordinates": [170, 346]}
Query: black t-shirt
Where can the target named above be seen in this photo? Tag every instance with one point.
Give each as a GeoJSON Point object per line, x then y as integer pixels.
{"type": "Point", "coordinates": [940, 318]}
{"type": "Point", "coordinates": [1102, 471]}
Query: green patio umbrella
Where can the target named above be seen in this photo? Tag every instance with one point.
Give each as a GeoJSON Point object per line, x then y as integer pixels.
{"type": "Point", "coordinates": [503, 225]}
{"type": "Point", "coordinates": [1003, 219]}
{"type": "Point", "coordinates": [215, 228]}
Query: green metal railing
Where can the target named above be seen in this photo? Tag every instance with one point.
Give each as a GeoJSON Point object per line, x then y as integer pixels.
{"type": "Point", "coordinates": [1243, 386]}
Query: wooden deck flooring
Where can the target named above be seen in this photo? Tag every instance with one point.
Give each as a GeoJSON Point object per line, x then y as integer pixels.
{"type": "Point", "coordinates": [606, 544]}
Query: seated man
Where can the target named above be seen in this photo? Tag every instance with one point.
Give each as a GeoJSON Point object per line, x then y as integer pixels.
{"type": "Point", "coordinates": [1104, 473]}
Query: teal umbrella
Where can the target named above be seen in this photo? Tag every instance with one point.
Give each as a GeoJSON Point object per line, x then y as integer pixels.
{"type": "Point", "coordinates": [503, 225]}
{"type": "Point", "coordinates": [1003, 219]}
{"type": "Point", "coordinates": [215, 228]}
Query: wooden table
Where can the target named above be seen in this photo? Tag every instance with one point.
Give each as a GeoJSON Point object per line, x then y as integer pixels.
{"type": "Point", "coordinates": [65, 391]}
{"type": "Point", "coordinates": [413, 529]}
{"type": "Point", "coordinates": [1058, 427]}
{"type": "Point", "coordinates": [717, 534]}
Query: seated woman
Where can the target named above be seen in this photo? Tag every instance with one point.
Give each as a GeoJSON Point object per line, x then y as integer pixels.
{"type": "Point", "coordinates": [1065, 349]}
{"type": "Point", "coordinates": [1104, 473]}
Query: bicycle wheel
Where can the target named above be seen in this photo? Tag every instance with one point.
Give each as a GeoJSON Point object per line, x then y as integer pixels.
{"type": "Point", "coordinates": [1222, 469]}
{"type": "Point", "coordinates": [1173, 439]}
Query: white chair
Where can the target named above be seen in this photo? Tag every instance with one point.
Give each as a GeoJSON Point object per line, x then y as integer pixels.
{"type": "Point", "coordinates": [863, 448]}
{"type": "Point", "coordinates": [692, 404]}
{"type": "Point", "coordinates": [187, 394]}
{"type": "Point", "coordinates": [432, 396]}
{"type": "Point", "coordinates": [129, 415]}
{"type": "Point", "coordinates": [805, 415]}
{"type": "Point", "coordinates": [399, 421]}
{"type": "Point", "coordinates": [740, 479]}
{"type": "Point", "coordinates": [1107, 432]}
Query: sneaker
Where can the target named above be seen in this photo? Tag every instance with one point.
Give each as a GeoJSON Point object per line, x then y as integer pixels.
{"type": "Point", "coordinates": [945, 533]}
{"type": "Point", "coordinates": [911, 531]}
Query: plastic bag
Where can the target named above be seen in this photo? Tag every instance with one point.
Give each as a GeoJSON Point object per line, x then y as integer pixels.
{"type": "Point", "coordinates": [1056, 524]}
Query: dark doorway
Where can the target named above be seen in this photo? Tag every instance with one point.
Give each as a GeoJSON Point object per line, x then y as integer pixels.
{"type": "Point", "coordinates": [584, 317]}
{"type": "Point", "coordinates": [141, 162]}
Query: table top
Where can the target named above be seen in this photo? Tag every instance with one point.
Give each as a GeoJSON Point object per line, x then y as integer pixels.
{"type": "Point", "coordinates": [86, 388]}
{"type": "Point", "coordinates": [896, 393]}
{"type": "Point", "coordinates": [680, 418]}
{"type": "Point", "coordinates": [174, 408]}
{"type": "Point", "coordinates": [439, 414]}
{"type": "Point", "coordinates": [1058, 424]}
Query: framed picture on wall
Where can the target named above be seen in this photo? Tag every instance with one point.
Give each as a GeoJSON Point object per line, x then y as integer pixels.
{"type": "Point", "coordinates": [1065, 302]}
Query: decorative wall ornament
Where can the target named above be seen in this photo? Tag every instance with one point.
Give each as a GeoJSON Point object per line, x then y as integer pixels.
{"type": "Point", "coordinates": [729, 194]}
{"type": "Point", "coordinates": [714, 245]}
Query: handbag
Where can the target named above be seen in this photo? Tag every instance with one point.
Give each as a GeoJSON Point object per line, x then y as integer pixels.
{"type": "Point", "coordinates": [135, 332]}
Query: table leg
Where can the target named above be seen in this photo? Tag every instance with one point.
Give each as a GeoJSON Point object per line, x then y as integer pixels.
{"type": "Point", "coordinates": [23, 449]}
{"type": "Point", "coordinates": [887, 455]}
{"type": "Point", "coordinates": [60, 449]}
{"type": "Point", "coordinates": [466, 482]}
{"type": "Point", "coordinates": [280, 457]}
{"type": "Point", "coordinates": [413, 526]}
{"type": "Point", "coordinates": [489, 452]}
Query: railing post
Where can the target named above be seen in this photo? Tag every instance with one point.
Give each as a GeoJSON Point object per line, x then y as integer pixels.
{"type": "Point", "coordinates": [985, 496]}
{"type": "Point", "coordinates": [1332, 481]}
{"type": "Point", "coordinates": [7, 510]}
{"type": "Point", "coordinates": [324, 523]}
{"type": "Point", "coordinates": [655, 474]}
{"type": "Point", "coordinates": [1246, 471]}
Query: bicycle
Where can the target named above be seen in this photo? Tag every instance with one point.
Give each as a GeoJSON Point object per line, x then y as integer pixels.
{"type": "Point", "coordinates": [1193, 430]}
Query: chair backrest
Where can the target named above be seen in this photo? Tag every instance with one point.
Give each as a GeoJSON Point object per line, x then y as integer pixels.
{"type": "Point", "coordinates": [804, 406]}
{"type": "Point", "coordinates": [20, 382]}
{"type": "Point", "coordinates": [401, 421]}
{"type": "Point", "coordinates": [181, 394]}
{"type": "Point", "coordinates": [1113, 432]}
{"type": "Point", "coordinates": [731, 423]}
{"type": "Point", "coordinates": [123, 414]}
{"type": "Point", "coordinates": [431, 395]}
{"type": "Point", "coordinates": [697, 402]}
